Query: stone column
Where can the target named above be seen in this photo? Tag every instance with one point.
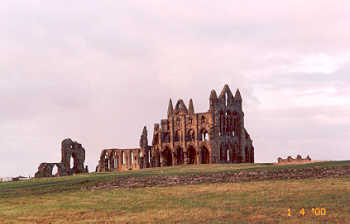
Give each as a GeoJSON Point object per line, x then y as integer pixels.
{"type": "Point", "coordinates": [198, 157]}
{"type": "Point", "coordinates": [186, 159]}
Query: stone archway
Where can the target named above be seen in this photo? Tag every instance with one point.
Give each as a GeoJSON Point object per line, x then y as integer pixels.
{"type": "Point", "coordinates": [237, 154]}
{"type": "Point", "coordinates": [234, 156]}
{"type": "Point", "coordinates": [179, 156]}
{"type": "Point", "coordinates": [229, 155]}
{"type": "Point", "coordinates": [192, 155]}
{"type": "Point", "coordinates": [204, 136]}
{"type": "Point", "coordinates": [71, 162]}
{"type": "Point", "coordinates": [204, 155]}
{"type": "Point", "coordinates": [73, 149]}
{"type": "Point", "coordinates": [54, 171]}
{"type": "Point", "coordinates": [167, 157]}
{"type": "Point", "coordinates": [156, 158]}
{"type": "Point", "coordinates": [76, 162]}
{"type": "Point", "coordinates": [223, 154]}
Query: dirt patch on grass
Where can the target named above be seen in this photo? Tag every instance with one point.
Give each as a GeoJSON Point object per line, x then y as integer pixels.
{"type": "Point", "coordinates": [226, 177]}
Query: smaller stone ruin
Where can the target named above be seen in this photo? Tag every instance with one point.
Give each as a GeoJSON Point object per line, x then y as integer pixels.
{"type": "Point", "coordinates": [69, 149]}
{"type": "Point", "coordinates": [290, 159]}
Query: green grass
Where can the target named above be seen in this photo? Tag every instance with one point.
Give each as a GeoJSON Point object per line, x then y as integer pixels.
{"type": "Point", "coordinates": [67, 200]}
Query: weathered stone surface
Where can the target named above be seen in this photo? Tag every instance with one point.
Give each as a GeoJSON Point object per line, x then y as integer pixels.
{"type": "Point", "coordinates": [69, 149]}
{"type": "Point", "coordinates": [45, 170]}
{"type": "Point", "coordinates": [226, 177]}
{"type": "Point", "coordinates": [73, 149]}
{"type": "Point", "coordinates": [186, 137]}
{"type": "Point", "coordinates": [290, 159]}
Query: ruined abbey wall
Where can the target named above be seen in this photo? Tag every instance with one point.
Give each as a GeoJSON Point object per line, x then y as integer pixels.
{"type": "Point", "coordinates": [186, 137]}
{"type": "Point", "coordinates": [69, 150]}
{"type": "Point", "coordinates": [290, 159]}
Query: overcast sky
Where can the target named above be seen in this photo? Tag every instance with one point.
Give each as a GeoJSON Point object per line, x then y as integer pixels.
{"type": "Point", "coordinates": [98, 71]}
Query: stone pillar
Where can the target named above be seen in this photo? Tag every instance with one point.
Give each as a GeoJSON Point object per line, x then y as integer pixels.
{"type": "Point", "coordinates": [198, 157]}
{"type": "Point", "coordinates": [186, 159]}
{"type": "Point", "coordinates": [161, 162]}
{"type": "Point", "coordinates": [174, 158]}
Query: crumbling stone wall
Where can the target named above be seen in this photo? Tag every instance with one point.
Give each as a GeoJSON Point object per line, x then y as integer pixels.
{"type": "Point", "coordinates": [290, 159]}
{"type": "Point", "coordinates": [120, 159]}
{"type": "Point", "coordinates": [69, 149]}
{"type": "Point", "coordinates": [225, 177]}
{"type": "Point", "coordinates": [186, 137]}
{"type": "Point", "coordinates": [45, 170]}
{"type": "Point", "coordinates": [73, 149]}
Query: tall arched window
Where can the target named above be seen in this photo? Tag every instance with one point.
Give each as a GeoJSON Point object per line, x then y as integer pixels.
{"type": "Point", "coordinates": [131, 158]}
{"type": "Point", "coordinates": [190, 121]}
{"type": "Point", "coordinates": [155, 139]}
{"type": "Point", "coordinates": [204, 135]}
{"type": "Point", "coordinates": [190, 135]}
{"type": "Point", "coordinates": [54, 170]}
{"type": "Point", "coordinates": [178, 122]}
{"type": "Point", "coordinates": [235, 124]}
{"type": "Point", "coordinates": [123, 157]}
{"type": "Point", "coordinates": [222, 123]}
{"type": "Point", "coordinates": [177, 136]}
{"type": "Point", "coordinates": [115, 162]}
{"type": "Point", "coordinates": [202, 120]}
{"type": "Point", "coordinates": [222, 153]}
{"type": "Point", "coordinates": [229, 123]}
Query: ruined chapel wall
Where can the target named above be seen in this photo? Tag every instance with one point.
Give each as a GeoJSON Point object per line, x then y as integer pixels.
{"type": "Point", "coordinates": [120, 159]}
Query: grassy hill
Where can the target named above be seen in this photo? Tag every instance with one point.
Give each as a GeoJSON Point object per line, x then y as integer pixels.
{"type": "Point", "coordinates": [105, 198]}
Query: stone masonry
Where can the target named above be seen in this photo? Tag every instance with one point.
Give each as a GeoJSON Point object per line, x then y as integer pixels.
{"type": "Point", "coordinates": [290, 159]}
{"type": "Point", "coordinates": [69, 149]}
{"type": "Point", "coordinates": [186, 137]}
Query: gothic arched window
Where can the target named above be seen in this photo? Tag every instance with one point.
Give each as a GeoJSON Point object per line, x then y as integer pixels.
{"type": "Point", "coordinates": [204, 135]}
{"type": "Point", "coordinates": [177, 136]}
{"type": "Point", "coordinates": [202, 120]}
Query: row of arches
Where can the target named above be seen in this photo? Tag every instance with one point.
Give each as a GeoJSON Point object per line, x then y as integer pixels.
{"type": "Point", "coordinates": [232, 154]}
{"type": "Point", "coordinates": [116, 159]}
{"type": "Point", "coordinates": [73, 166]}
{"type": "Point", "coordinates": [202, 120]}
{"type": "Point", "coordinates": [179, 157]}
{"type": "Point", "coordinates": [190, 135]}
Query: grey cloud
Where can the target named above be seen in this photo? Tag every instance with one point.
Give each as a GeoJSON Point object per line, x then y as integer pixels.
{"type": "Point", "coordinates": [298, 81]}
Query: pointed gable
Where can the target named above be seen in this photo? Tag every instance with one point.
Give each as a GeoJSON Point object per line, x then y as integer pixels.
{"type": "Point", "coordinates": [180, 107]}
{"type": "Point", "coordinates": [226, 95]}
{"type": "Point", "coordinates": [238, 96]}
{"type": "Point", "coordinates": [213, 95]}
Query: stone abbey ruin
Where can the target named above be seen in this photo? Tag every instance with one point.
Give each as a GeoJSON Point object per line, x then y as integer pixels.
{"type": "Point", "coordinates": [186, 137]}
{"type": "Point", "coordinates": [290, 159]}
{"type": "Point", "coordinates": [69, 149]}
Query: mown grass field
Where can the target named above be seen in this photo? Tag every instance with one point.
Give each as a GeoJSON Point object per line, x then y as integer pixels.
{"type": "Point", "coordinates": [70, 200]}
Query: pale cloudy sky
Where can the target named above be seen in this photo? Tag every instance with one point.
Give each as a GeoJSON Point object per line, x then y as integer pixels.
{"type": "Point", "coordinates": [98, 71]}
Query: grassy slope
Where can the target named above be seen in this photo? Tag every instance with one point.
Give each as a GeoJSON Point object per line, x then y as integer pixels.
{"type": "Point", "coordinates": [65, 200]}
